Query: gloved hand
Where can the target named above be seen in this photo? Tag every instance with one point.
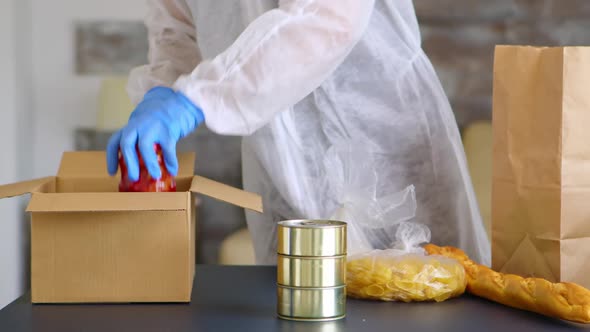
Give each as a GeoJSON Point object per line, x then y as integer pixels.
{"type": "Point", "coordinates": [164, 116]}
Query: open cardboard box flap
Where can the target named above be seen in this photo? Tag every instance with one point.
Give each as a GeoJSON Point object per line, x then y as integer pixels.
{"type": "Point", "coordinates": [45, 184]}
{"type": "Point", "coordinates": [93, 164]}
{"type": "Point", "coordinates": [84, 165]}
{"type": "Point", "coordinates": [226, 193]}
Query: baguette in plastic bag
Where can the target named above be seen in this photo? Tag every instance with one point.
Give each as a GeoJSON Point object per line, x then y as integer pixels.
{"type": "Point", "coordinates": [563, 300]}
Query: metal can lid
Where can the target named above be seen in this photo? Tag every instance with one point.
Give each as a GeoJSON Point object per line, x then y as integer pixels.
{"type": "Point", "coordinates": [327, 288]}
{"type": "Point", "coordinates": [312, 223]}
{"type": "Point", "coordinates": [311, 238]}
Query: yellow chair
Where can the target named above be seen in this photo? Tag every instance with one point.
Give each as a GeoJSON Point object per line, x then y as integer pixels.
{"type": "Point", "coordinates": [477, 142]}
{"type": "Point", "coordinates": [237, 248]}
{"type": "Point", "coordinates": [114, 106]}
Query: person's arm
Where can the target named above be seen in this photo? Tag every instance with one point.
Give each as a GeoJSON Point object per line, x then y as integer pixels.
{"type": "Point", "coordinates": [161, 116]}
{"type": "Point", "coordinates": [280, 58]}
{"type": "Point", "coordinates": [173, 48]}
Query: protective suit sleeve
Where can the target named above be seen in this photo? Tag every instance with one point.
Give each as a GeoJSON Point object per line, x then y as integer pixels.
{"type": "Point", "coordinates": [173, 48]}
{"type": "Point", "coordinates": [281, 57]}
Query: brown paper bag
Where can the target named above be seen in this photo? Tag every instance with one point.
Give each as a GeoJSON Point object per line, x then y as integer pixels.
{"type": "Point", "coordinates": [541, 169]}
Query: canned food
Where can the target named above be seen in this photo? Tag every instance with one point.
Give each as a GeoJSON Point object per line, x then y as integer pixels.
{"type": "Point", "coordinates": [311, 304]}
{"type": "Point", "coordinates": [311, 271]}
{"type": "Point", "coordinates": [312, 238]}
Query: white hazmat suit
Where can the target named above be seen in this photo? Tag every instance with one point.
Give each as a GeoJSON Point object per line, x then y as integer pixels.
{"type": "Point", "coordinates": [297, 77]}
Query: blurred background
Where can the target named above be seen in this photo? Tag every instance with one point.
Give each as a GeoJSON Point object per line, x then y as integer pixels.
{"type": "Point", "coordinates": [64, 62]}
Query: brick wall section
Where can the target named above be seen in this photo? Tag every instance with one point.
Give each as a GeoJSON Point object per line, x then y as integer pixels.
{"type": "Point", "coordinates": [459, 36]}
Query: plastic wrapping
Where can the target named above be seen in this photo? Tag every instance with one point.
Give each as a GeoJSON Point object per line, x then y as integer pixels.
{"type": "Point", "coordinates": [166, 183]}
{"type": "Point", "coordinates": [386, 260]}
{"type": "Point", "coordinates": [406, 273]}
{"type": "Point", "coordinates": [301, 76]}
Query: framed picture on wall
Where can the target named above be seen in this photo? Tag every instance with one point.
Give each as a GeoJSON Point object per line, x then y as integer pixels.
{"type": "Point", "coordinates": [109, 47]}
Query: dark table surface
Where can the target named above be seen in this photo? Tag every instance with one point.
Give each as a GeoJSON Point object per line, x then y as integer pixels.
{"type": "Point", "coordinates": [243, 298]}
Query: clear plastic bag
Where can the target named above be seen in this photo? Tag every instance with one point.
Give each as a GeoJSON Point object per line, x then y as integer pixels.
{"type": "Point", "coordinates": [386, 261]}
{"type": "Point", "coordinates": [405, 273]}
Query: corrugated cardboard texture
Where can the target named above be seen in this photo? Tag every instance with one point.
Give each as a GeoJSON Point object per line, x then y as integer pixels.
{"type": "Point", "coordinates": [111, 257]}
{"type": "Point", "coordinates": [82, 185]}
{"type": "Point", "coordinates": [46, 184]}
{"type": "Point", "coordinates": [91, 243]}
{"type": "Point", "coordinates": [86, 172]}
{"type": "Point", "coordinates": [191, 220]}
{"type": "Point", "coordinates": [226, 193]}
{"type": "Point", "coordinates": [108, 184]}
{"type": "Point", "coordinates": [80, 202]}
{"type": "Point", "coordinates": [184, 183]}
{"type": "Point", "coordinates": [541, 184]}
{"type": "Point", "coordinates": [89, 164]}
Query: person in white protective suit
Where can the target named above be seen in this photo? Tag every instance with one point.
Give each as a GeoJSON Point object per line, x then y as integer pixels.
{"type": "Point", "coordinates": [295, 78]}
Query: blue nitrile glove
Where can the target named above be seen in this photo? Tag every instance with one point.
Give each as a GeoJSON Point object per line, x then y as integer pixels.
{"type": "Point", "coordinates": [164, 116]}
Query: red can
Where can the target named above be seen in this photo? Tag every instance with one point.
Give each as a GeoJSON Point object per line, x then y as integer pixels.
{"type": "Point", "coordinates": [146, 183]}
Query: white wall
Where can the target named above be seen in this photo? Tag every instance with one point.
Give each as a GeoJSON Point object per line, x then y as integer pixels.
{"type": "Point", "coordinates": [63, 101]}
{"type": "Point", "coordinates": [43, 101]}
{"type": "Point", "coordinates": [11, 253]}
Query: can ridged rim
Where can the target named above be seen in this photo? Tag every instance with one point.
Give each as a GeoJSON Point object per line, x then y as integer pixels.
{"type": "Point", "coordinates": [343, 286]}
{"type": "Point", "coordinates": [301, 319]}
{"type": "Point", "coordinates": [312, 257]}
{"type": "Point", "coordinates": [312, 223]}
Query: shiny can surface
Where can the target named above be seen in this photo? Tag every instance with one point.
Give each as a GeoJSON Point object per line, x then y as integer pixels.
{"type": "Point", "coordinates": [311, 238]}
{"type": "Point", "coordinates": [311, 304]}
{"type": "Point", "coordinates": [311, 271]}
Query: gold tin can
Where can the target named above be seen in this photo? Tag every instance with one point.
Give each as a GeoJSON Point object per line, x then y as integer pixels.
{"type": "Point", "coordinates": [311, 304]}
{"type": "Point", "coordinates": [311, 238]}
{"type": "Point", "coordinates": [311, 271]}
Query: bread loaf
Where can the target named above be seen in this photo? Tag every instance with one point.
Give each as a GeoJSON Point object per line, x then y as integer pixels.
{"type": "Point", "coordinates": [563, 300]}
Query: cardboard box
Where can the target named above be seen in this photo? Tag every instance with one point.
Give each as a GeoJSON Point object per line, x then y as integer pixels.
{"type": "Point", "coordinates": [91, 243]}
